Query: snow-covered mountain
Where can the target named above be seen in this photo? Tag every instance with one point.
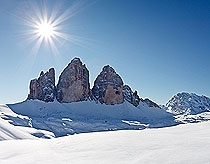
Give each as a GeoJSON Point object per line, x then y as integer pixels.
{"type": "Point", "coordinates": [188, 103]}
{"type": "Point", "coordinates": [189, 107]}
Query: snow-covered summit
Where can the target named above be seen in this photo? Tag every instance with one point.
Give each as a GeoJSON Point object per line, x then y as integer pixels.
{"type": "Point", "coordinates": [188, 103]}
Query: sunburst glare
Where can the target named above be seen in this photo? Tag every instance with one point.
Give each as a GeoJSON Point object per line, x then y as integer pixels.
{"type": "Point", "coordinates": [45, 29]}
{"type": "Point", "coordinates": [45, 25]}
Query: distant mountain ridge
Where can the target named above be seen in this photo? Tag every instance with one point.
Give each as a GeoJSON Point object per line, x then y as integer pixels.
{"type": "Point", "coordinates": [188, 103]}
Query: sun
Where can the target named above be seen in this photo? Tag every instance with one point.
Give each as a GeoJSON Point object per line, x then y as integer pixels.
{"type": "Point", "coordinates": [45, 30]}
{"type": "Point", "coordinates": [45, 25]}
{"type": "Point", "coordinates": [49, 25]}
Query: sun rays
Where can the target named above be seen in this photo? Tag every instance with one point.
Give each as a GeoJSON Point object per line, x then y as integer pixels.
{"type": "Point", "coordinates": [45, 25]}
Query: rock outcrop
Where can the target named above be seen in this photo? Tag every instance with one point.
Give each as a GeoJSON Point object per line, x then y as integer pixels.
{"type": "Point", "coordinates": [150, 103]}
{"type": "Point", "coordinates": [73, 84]}
{"type": "Point", "coordinates": [130, 96]}
{"type": "Point", "coordinates": [43, 88]}
{"type": "Point", "coordinates": [108, 87]}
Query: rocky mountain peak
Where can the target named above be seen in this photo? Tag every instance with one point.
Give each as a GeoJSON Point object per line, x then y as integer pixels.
{"type": "Point", "coordinates": [108, 87]}
{"type": "Point", "coordinates": [108, 68]}
{"type": "Point", "coordinates": [130, 96]}
{"type": "Point", "coordinates": [150, 103]}
{"type": "Point", "coordinates": [76, 60]}
{"type": "Point", "coordinates": [188, 103]}
{"type": "Point", "coordinates": [73, 84]}
{"type": "Point", "coordinates": [43, 88]}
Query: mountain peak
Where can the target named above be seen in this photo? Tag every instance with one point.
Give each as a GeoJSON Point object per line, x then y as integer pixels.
{"type": "Point", "coordinates": [76, 60]}
{"type": "Point", "coordinates": [130, 96]}
{"type": "Point", "coordinates": [43, 88]}
{"type": "Point", "coordinates": [73, 84]}
{"type": "Point", "coordinates": [108, 68]}
{"type": "Point", "coordinates": [108, 87]}
{"type": "Point", "coordinates": [189, 103]}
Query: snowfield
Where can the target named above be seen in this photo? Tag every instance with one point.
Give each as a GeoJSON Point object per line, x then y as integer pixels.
{"type": "Point", "coordinates": [8, 131]}
{"type": "Point", "coordinates": [120, 134]}
{"type": "Point", "coordinates": [62, 119]}
{"type": "Point", "coordinates": [187, 143]}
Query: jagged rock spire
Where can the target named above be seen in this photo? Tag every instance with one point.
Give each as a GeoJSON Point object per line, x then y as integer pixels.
{"type": "Point", "coordinates": [108, 87]}
{"type": "Point", "coordinates": [73, 84]}
{"type": "Point", "coordinates": [130, 96]}
{"type": "Point", "coordinates": [43, 88]}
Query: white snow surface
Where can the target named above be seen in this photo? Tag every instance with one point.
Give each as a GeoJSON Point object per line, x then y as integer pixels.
{"type": "Point", "coordinates": [61, 119]}
{"type": "Point", "coordinates": [8, 132]}
{"type": "Point", "coordinates": [187, 143]}
{"type": "Point", "coordinates": [23, 130]}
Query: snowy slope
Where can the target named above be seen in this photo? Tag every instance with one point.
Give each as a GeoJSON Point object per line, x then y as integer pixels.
{"type": "Point", "coordinates": [188, 103]}
{"type": "Point", "coordinates": [22, 131]}
{"type": "Point", "coordinates": [188, 143]}
{"type": "Point", "coordinates": [69, 118]}
{"type": "Point", "coordinates": [8, 131]}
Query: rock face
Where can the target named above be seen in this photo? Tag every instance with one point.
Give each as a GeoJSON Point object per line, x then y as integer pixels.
{"type": "Point", "coordinates": [73, 84]}
{"type": "Point", "coordinates": [188, 103]}
{"type": "Point", "coordinates": [43, 88]}
{"type": "Point", "coordinates": [130, 96]}
{"type": "Point", "coordinates": [108, 87]}
{"type": "Point", "coordinates": [150, 103]}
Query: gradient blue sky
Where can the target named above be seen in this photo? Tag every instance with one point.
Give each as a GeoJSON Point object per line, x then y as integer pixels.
{"type": "Point", "coordinates": [158, 47]}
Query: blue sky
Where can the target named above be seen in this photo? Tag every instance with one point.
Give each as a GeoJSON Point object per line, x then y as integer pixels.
{"type": "Point", "coordinates": [159, 48]}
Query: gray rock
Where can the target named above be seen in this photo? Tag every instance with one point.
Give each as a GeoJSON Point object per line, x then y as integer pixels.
{"type": "Point", "coordinates": [150, 103]}
{"type": "Point", "coordinates": [43, 88]}
{"type": "Point", "coordinates": [73, 84]}
{"type": "Point", "coordinates": [130, 96]}
{"type": "Point", "coordinates": [108, 87]}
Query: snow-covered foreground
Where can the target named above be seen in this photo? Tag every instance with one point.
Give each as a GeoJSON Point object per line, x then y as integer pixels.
{"type": "Point", "coordinates": [188, 143]}
{"type": "Point", "coordinates": [8, 131]}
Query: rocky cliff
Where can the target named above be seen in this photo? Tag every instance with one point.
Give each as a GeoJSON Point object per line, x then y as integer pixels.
{"type": "Point", "coordinates": [130, 96]}
{"type": "Point", "coordinates": [43, 88]}
{"type": "Point", "coordinates": [108, 87]}
{"type": "Point", "coordinates": [73, 84]}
